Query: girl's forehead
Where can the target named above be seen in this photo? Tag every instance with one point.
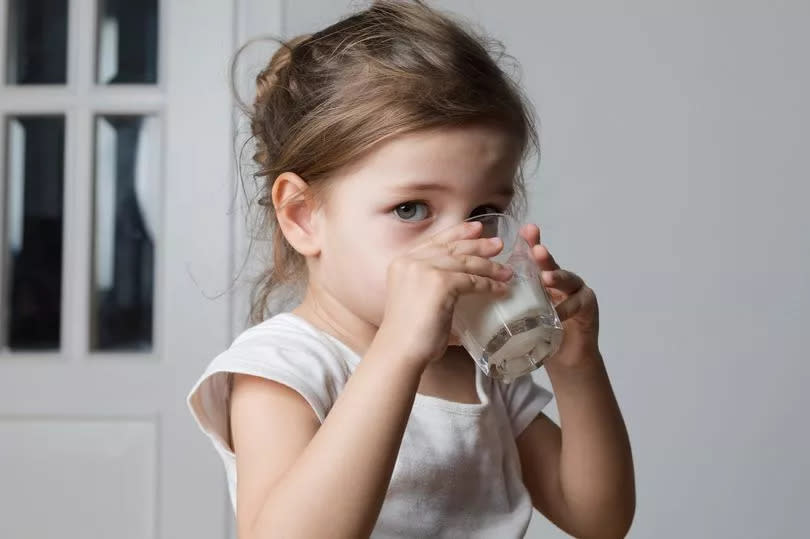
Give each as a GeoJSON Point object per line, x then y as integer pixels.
{"type": "Point", "coordinates": [473, 142]}
{"type": "Point", "coordinates": [442, 158]}
{"type": "Point", "coordinates": [502, 187]}
{"type": "Point", "coordinates": [475, 161]}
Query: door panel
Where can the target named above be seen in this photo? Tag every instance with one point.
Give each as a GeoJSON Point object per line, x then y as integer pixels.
{"type": "Point", "coordinates": [116, 177]}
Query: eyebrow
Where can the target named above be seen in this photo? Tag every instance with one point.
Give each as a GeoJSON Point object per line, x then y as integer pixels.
{"type": "Point", "coordinates": [507, 191]}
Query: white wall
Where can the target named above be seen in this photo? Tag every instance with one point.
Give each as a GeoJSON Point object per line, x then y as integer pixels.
{"type": "Point", "coordinates": [673, 178]}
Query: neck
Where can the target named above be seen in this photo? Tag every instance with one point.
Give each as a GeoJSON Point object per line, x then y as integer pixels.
{"type": "Point", "coordinates": [326, 313]}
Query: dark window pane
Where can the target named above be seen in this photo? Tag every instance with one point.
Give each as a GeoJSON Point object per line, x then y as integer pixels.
{"type": "Point", "coordinates": [127, 42]}
{"type": "Point", "coordinates": [125, 213]}
{"type": "Point", "coordinates": [34, 193]}
{"type": "Point", "coordinates": [37, 42]}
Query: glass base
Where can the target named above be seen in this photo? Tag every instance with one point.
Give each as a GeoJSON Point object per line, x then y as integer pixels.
{"type": "Point", "coordinates": [520, 347]}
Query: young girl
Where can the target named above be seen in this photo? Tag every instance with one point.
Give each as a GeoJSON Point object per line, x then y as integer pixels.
{"type": "Point", "coordinates": [356, 413]}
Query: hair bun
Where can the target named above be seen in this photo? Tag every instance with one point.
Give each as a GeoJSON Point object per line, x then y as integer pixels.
{"type": "Point", "coordinates": [273, 72]}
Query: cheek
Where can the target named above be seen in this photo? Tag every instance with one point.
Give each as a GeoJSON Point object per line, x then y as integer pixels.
{"type": "Point", "coordinates": [354, 269]}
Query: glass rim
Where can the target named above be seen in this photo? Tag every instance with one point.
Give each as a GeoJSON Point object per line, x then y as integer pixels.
{"type": "Point", "coordinates": [497, 214]}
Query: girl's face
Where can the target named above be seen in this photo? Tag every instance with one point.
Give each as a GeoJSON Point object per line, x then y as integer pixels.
{"type": "Point", "coordinates": [404, 191]}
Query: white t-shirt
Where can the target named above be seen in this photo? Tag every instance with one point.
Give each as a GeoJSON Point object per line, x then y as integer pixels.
{"type": "Point", "coordinates": [457, 473]}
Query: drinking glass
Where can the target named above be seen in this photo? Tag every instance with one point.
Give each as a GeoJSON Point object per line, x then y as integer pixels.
{"type": "Point", "coordinates": [512, 334]}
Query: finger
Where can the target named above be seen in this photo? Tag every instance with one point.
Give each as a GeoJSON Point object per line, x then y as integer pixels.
{"type": "Point", "coordinates": [476, 246]}
{"type": "Point", "coordinates": [485, 247]}
{"type": "Point", "coordinates": [459, 231]}
{"type": "Point", "coordinates": [563, 280]}
{"type": "Point", "coordinates": [474, 265]}
{"type": "Point", "coordinates": [531, 233]}
{"type": "Point", "coordinates": [570, 306]}
{"type": "Point", "coordinates": [466, 283]}
{"type": "Point", "coordinates": [544, 258]}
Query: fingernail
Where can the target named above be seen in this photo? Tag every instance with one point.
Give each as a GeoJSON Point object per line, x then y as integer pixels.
{"type": "Point", "coordinates": [495, 240]}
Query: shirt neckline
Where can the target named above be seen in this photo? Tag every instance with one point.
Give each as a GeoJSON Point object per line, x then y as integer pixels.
{"type": "Point", "coordinates": [420, 400]}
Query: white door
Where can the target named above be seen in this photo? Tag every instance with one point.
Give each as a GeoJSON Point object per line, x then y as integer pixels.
{"type": "Point", "coordinates": [116, 180]}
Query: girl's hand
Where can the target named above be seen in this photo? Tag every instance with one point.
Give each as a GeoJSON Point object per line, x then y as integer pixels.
{"type": "Point", "coordinates": [423, 286]}
{"type": "Point", "coordinates": [574, 302]}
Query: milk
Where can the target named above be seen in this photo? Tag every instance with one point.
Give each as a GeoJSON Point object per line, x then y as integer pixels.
{"type": "Point", "coordinates": [509, 334]}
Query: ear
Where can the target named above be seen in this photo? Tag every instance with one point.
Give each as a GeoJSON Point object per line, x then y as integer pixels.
{"type": "Point", "coordinates": [296, 213]}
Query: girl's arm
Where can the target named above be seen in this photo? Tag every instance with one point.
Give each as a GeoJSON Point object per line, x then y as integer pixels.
{"type": "Point", "coordinates": [297, 478]}
{"type": "Point", "coordinates": [581, 476]}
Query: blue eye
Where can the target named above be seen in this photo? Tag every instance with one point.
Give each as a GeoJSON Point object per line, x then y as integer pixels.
{"type": "Point", "coordinates": [407, 210]}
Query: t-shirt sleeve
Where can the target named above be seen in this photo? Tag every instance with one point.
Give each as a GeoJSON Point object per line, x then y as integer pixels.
{"type": "Point", "coordinates": [306, 365]}
{"type": "Point", "coordinates": [524, 399]}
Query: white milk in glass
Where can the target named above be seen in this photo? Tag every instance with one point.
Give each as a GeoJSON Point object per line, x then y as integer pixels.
{"type": "Point", "coordinates": [511, 334]}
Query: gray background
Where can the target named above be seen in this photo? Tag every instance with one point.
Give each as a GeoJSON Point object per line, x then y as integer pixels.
{"type": "Point", "coordinates": [674, 174]}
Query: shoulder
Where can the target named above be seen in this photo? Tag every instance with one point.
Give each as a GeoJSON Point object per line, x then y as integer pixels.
{"type": "Point", "coordinates": [282, 348]}
{"type": "Point", "coordinates": [285, 332]}
{"type": "Point", "coordinates": [282, 341]}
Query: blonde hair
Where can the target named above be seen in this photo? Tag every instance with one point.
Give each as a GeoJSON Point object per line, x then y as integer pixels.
{"type": "Point", "coordinates": [325, 99]}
